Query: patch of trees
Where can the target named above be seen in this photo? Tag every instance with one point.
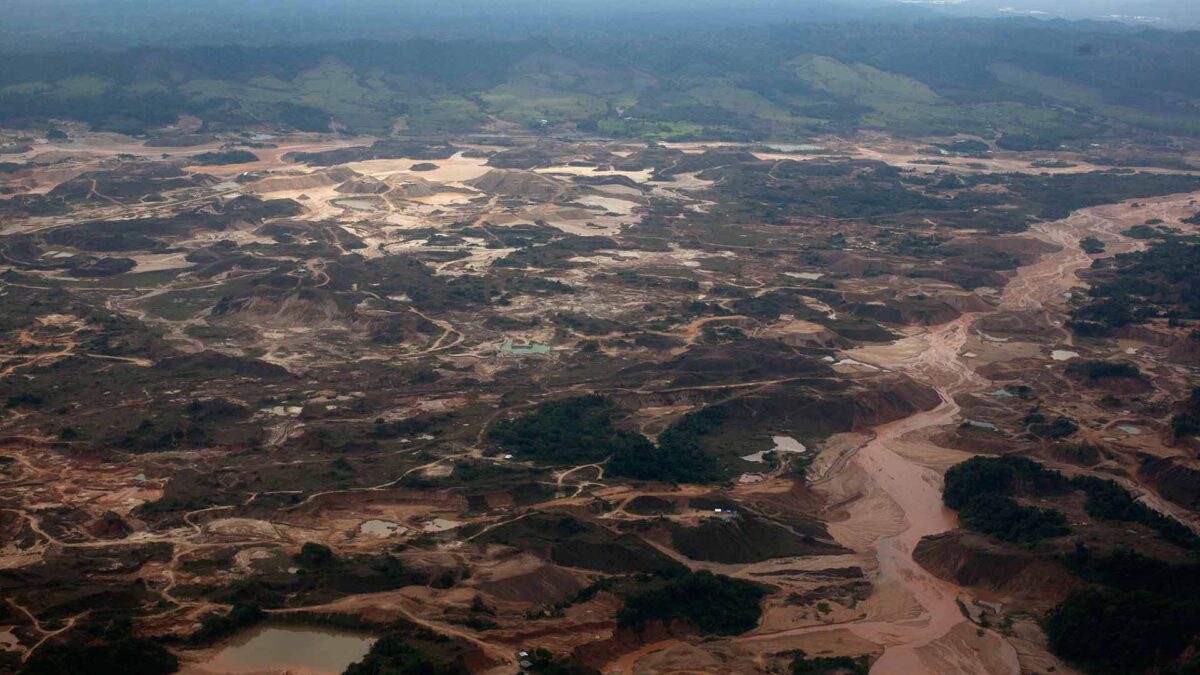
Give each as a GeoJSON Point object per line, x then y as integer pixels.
{"type": "Point", "coordinates": [109, 650]}
{"type": "Point", "coordinates": [1142, 612]}
{"type": "Point", "coordinates": [582, 430]}
{"type": "Point", "coordinates": [303, 117]}
{"type": "Point", "coordinates": [570, 542]}
{"type": "Point", "coordinates": [24, 399]}
{"type": "Point", "coordinates": [1092, 245]}
{"type": "Point", "coordinates": [588, 325]}
{"type": "Point", "coordinates": [122, 112]}
{"type": "Point", "coordinates": [544, 663]}
{"type": "Point", "coordinates": [321, 577]}
{"type": "Point", "coordinates": [519, 235]}
{"type": "Point", "coordinates": [556, 254]}
{"type": "Point", "coordinates": [978, 488]}
{"type": "Point", "coordinates": [223, 157]}
{"type": "Point", "coordinates": [1101, 370]}
{"type": "Point", "coordinates": [829, 665]}
{"type": "Point", "coordinates": [431, 293]}
{"type": "Point", "coordinates": [817, 188]}
{"type": "Point", "coordinates": [1144, 231]}
{"type": "Point", "coordinates": [1118, 632]}
{"type": "Point", "coordinates": [413, 650]}
{"type": "Point", "coordinates": [715, 604]}
{"type": "Point", "coordinates": [91, 266]}
{"type": "Point", "coordinates": [1162, 281]}
{"type": "Point", "coordinates": [1000, 516]}
{"type": "Point", "coordinates": [198, 424]}
{"type": "Point", "coordinates": [1024, 142]}
{"type": "Point", "coordinates": [1187, 421]}
{"type": "Point", "coordinates": [981, 489]}
{"type": "Point", "coordinates": [1158, 161]}
{"type": "Point", "coordinates": [679, 456]}
{"type": "Point", "coordinates": [314, 556]}
{"type": "Point", "coordinates": [571, 430]}
{"type": "Point", "coordinates": [1106, 500]}
{"type": "Point", "coordinates": [215, 626]}
{"type": "Point", "coordinates": [1131, 571]}
{"type": "Point", "coordinates": [1041, 426]}
{"type": "Point", "coordinates": [1055, 196]}
{"type": "Point", "coordinates": [633, 279]}
{"type": "Point", "coordinates": [382, 149]}
{"type": "Point", "coordinates": [968, 146]}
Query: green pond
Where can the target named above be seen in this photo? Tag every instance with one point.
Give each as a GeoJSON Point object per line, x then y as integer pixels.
{"type": "Point", "coordinates": [531, 348]}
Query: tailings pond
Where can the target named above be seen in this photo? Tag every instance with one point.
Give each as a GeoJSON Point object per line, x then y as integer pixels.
{"type": "Point", "coordinates": [313, 651]}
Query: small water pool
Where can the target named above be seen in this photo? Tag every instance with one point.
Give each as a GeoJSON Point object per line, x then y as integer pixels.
{"type": "Point", "coordinates": [306, 650]}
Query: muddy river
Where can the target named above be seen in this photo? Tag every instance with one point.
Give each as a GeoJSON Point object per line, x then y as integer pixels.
{"type": "Point", "coordinates": [902, 503]}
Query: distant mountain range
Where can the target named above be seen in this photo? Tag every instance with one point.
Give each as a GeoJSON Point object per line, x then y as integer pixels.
{"type": "Point", "coordinates": [1035, 84]}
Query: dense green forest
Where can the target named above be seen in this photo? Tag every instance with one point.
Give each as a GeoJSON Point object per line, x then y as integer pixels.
{"type": "Point", "coordinates": [112, 649]}
{"type": "Point", "coordinates": [983, 491]}
{"type": "Point", "coordinates": [1134, 611]}
{"type": "Point", "coordinates": [1161, 282]}
{"type": "Point", "coordinates": [412, 650]}
{"type": "Point", "coordinates": [1187, 421]}
{"type": "Point", "coordinates": [1137, 612]}
{"type": "Point", "coordinates": [582, 430]}
{"type": "Point", "coordinates": [1026, 84]}
{"type": "Point", "coordinates": [716, 604]}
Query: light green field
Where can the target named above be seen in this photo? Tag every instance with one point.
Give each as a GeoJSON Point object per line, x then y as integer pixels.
{"type": "Point", "coordinates": [525, 103]}
{"type": "Point", "coordinates": [81, 86]}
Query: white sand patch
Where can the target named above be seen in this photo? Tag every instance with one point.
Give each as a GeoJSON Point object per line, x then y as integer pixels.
{"type": "Point", "coordinates": [440, 525]}
{"type": "Point", "coordinates": [636, 176]}
{"type": "Point", "coordinates": [610, 204]}
{"type": "Point", "coordinates": [381, 528]}
{"type": "Point", "coordinates": [445, 199]}
{"type": "Point", "coordinates": [284, 411]}
{"type": "Point", "coordinates": [788, 444]}
{"type": "Point", "coordinates": [619, 190]}
{"type": "Point", "coordinates": [854, 364]}
{"type": "Point", "coordinates": [783, 445]}
{"type": "Point", "coordinates": [159, 262]}
{"type": "Point", "coordinates": [454, 169]}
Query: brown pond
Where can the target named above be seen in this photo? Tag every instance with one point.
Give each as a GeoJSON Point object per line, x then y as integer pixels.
{"type": "Point", "coordinates": [291, 649]}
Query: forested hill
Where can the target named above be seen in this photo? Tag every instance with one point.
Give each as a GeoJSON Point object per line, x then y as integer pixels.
{"type": "Point", "coordinates": [37, 25]}
{"type": "Point", "coordinates": [1034, 84]}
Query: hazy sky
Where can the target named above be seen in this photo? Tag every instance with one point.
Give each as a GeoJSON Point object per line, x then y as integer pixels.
{"type": "Point", "coordinates": [71, 24]}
